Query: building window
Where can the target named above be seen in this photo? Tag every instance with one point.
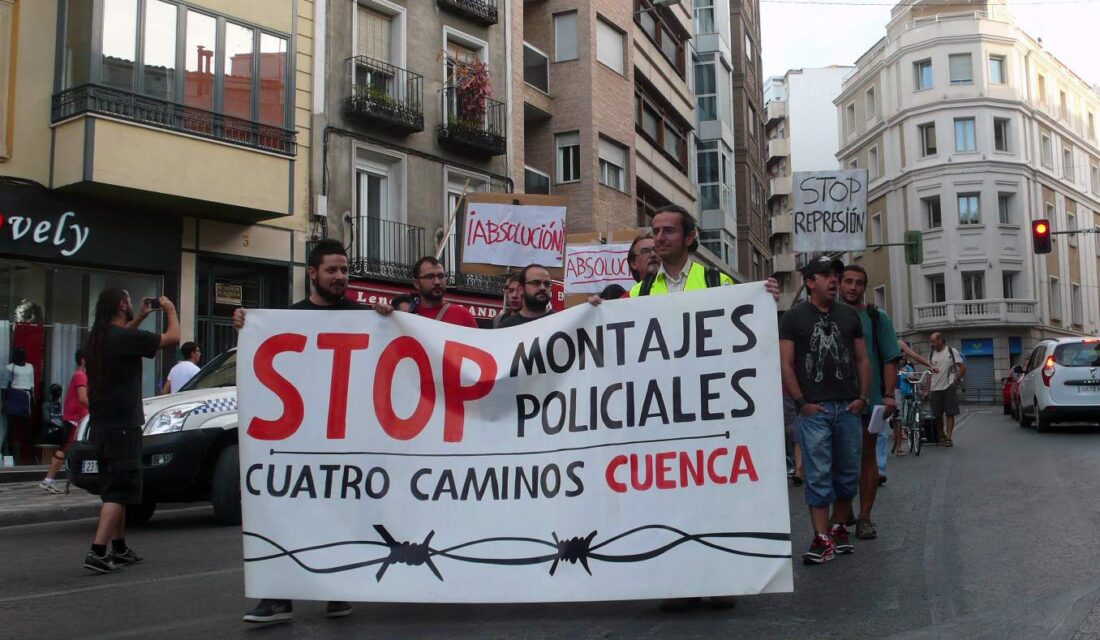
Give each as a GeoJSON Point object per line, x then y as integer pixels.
{"type": "Point", "coordinates": [609, 46]}
{"type": "Point", "coordinates": [1094, 172]}
{"type": "Point", "coordinates": [1000, 134]}
{"type": "Point", "coordinates": [937, 289]}
{"type": "Point", "coordinates": [158, 75]}
{"type": "Point", "coordinates": [965, 139]}
{"type": "Point", "coordinates": [960, 68]}
{"type": "Point", "coordinates": [853, 163]}
{"type": "Point", "coordinates": [750, 115]}
{"type": "Point", "coordinates": [569, 156]}
{"type": "Point", "coordinates": [880, 296]}
{"type": "Point", "coordinates": [756, 189]}
{"type": "Point", "coordinates": [663, 32]}
{"type": "Point", "coordinates": [1041, 89]}
{"type": "Point", "coordinates": [658, 123]}
{"type": "Point", "coordinates": [613, 157]}
{"type": "Point", "coordinates": [1063, 105]}
{"type": "Point", "coordinates": [872, 163]}
{"type": "Point", "coordinates": [565, 36]}
{"type": "Point", "coordinates": [535, 181]}
{"type": "Point", "coordinates": [968, 208]}
{"type": "Point", "coordinates": [704, 17]}
{"type": "Point", "coordinates": [1050, 216]}
{"type": "Point", "coordinates": [748, 49]}
{"type": "Point", "coordinates": [1008, 284]}
{"type": "Point", "coordinates": [850, 119]}
{"type": "Point", "coordinates": [871, 107]}
{"type": "Point", "coordinates": [1067, 161]}
{"type": "Point", "coordinates": [1055, 298]}
{"type": "Point", "coordinates": [928, 138]}
{"type": "Point", "coordinates": [973, 285]}
{"type": "Point", "coordinates": [1004, 207]}
{"type": "Point", "coordinates": [923, 74]}
{"type": "Point", "coordinates": [1092, 127]}
{"type": "Point", "coordinates": [932, 217]}
{"type": "Point", "coordinates": [997, 69]}
{"type": "Point", "coordinates": [706, 88]}
{"type": "Point", "coordinates": [1076, 306]}
{"type": "Point", "coordinates": [1047, 150]}
{"type": "Point", "coordinates": [714, 175]}
{"type": "Point", "coordinates": [876, 229]}
{"type": "Point", "coordinates": [1071, 225]}
{"type": "Point", "coordinates": [119, 43]}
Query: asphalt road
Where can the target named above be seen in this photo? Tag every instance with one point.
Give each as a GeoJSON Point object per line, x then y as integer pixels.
{"type": "Point", "coordinates": [995, 538]}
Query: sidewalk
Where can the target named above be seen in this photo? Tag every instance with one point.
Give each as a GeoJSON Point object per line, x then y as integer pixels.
{"type": "Point", "coordinates": [26, 503]}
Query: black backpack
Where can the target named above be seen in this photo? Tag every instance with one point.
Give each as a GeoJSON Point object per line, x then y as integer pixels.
{"type": "Point", "coordinates": [713, 278]}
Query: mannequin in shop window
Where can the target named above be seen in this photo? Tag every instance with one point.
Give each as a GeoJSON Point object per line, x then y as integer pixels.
{"type": "Point", "coordinates": [19, 374]}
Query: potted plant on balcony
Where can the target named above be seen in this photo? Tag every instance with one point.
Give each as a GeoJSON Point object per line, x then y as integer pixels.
{"type": "Point", "coordinates": [471, 81]}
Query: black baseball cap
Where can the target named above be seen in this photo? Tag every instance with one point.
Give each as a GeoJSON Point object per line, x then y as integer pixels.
{"type": "Point", "coordinates": [823, 264]}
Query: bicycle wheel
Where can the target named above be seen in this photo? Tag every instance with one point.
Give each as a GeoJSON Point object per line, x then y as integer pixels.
{"type": "Point", "coordinates": [917, 432]}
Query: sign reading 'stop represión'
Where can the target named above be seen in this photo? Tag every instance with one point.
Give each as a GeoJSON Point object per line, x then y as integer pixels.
{"type": "Point", "coordinates": [830, 210]}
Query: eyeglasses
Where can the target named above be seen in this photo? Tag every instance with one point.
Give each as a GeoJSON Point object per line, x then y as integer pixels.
{"type": "Point", "coordinates": [645, 252]}
{"type": "Point", "coordinates": [539, 284]}
{"type": "Point", "coordinates": [433, 276]}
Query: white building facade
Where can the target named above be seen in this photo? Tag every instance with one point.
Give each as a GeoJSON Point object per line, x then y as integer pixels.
{"type": "Point", "coordinates": [969, 130]}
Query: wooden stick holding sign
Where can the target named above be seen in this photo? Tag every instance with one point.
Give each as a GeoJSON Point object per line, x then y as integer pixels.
{"type": "Point", "coordinates": [451, 221]}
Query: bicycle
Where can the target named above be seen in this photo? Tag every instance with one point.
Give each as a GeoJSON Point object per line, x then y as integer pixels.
{"type": "Point", "coordinates": [912, 410]}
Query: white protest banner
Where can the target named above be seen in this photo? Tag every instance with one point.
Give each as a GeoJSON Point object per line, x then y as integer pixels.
{"type": "Point", "coordinates": [830, 210]}
{"type": "Point", "coordinates": [628, 451]}
{"type": "Point", "coordinates": [590, 268]}
{"type": "Point", "coordinates": [512, 235]}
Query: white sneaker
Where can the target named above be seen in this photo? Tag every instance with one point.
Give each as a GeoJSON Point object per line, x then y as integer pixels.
{"type": "Point", "coordinates": [51, 487]}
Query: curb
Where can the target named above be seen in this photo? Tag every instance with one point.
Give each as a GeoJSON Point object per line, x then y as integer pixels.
{"type": "Point", "coordinates": [53, 514]}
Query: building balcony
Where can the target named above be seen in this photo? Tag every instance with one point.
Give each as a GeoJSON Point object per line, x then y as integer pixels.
{"type": "Point", "coordinates": [384, 95]}
{"type": "Point", "coordinates": [780, 186]}
{"type": "Point", "coordinates": [385, 249]}
{"type": "Point", "coordinates": [783, 223]}
{"type": "Point", "coordinates": [536, 68]}
{"type": "Point", "coordinates": [118, 144]}
{"type": "Point", "coordinates": [784, 263]}
{"type": "Point", "coordinates": [472, 124]}
{"type": "Point", "coordinates": [779, 148]}
{"type": "Point", "coordinates": [468, 282]}
{"type": "Point", "coordinates": [775, 110]}
{"type": "Point", "coordinates": [976, 313]}
{"type": "Point", "coordinates": [483, 12]}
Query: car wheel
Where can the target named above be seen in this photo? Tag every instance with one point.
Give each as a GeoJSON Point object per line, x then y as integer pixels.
{"type": "Point", "coordinates": [139, 514]}
{"type": "Point", "coordinates": [1025, 421]}
{"type": "Point", "coordinates": [1042, 422]}
{"type": "Point", "coordinates": [226, 491]}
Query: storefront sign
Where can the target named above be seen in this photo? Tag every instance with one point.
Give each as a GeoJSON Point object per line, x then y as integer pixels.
{"type": "Point", "coordinates": [370, 293]}
{"type": "Point", "coordinates": [627, 451]}
{"type": "Point", "coordinates": [225, 293]}
{"type": "Point", "coordinates": [830, 210]}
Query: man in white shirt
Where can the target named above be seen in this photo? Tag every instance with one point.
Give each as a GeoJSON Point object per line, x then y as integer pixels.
{"type": "Point", "coordinates": [947, 363]}
{"type": "Point", "coordinates": [184, 370]}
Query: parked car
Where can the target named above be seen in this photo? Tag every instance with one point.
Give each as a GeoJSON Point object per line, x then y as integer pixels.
{"type": "Point", "coordinates": [1061, 383]}
{"type": "Point", "coordinates": [1008, 388]}
{"type": "Point", "coordinates": [189, 446]}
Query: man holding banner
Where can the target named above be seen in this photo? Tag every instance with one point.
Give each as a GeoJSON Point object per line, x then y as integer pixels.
{"type": "Point", "coordinates": [536, 283]}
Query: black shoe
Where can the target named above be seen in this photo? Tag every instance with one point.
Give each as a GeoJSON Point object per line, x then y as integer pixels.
{"type": "Point", "coordinates": [881, 480]}
{"type": "Point", "coordinates": [677, 605]}
{"type": "Point", "coordinates": [337, 609]}
{"type": "Point", "coordinates": [821, 550]}
{"type": "Point", "coordinates": [797, 481]}
{"type": "Point", "coordinates": [100, 564]}
{"type": "Point", "coordinates": [271, 611]}
{"type": "Point", "coordinates": [126, 557]}
{"type": "Point", "coordinates": [841, 543]}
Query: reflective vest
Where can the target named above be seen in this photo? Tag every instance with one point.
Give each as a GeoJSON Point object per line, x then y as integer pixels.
{"type": "Point", "coordinates": [696, 279]}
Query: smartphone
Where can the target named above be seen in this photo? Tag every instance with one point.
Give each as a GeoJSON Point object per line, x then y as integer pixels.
{"type": "Point", "coordinates": [152, 303]}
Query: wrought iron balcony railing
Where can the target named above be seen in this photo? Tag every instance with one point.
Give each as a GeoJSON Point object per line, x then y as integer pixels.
{"type": "Point", "coordinates": [384, 94]}
{"type": "Point", "coordinates": [385, 249]}
{"type": "Point", "coordinates": [472, 282]}
{"type": "Point", "coordinates": [481, 11]}
{"type": "Point", "coordinates": [472, 123]}
{"type": "Point", "coordinates": [108, 101]}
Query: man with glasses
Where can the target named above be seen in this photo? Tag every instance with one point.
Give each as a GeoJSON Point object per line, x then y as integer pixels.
{"type": "Point", "coordinates": [535, 283]}
{"type": "Point", "coordinates": [430, 282]}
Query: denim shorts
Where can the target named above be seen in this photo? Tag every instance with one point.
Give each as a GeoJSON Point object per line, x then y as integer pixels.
{"type": "Point", "coordinates": [831, 444]}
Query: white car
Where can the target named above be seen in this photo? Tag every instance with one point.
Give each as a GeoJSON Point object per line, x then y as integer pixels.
{"type": "Point", "coordinates": [1061, 383]}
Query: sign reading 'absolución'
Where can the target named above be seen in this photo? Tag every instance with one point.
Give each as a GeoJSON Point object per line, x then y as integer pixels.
{"type": "Point", "coordinates": [628, 451]}
{"type": "Point", "coordinates": [830, 210]}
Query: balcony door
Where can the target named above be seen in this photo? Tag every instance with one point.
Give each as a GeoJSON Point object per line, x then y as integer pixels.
{"type": "Point", "coordinates": [374, 73]}
{"type": "Point", "coordinates": [379, 235]}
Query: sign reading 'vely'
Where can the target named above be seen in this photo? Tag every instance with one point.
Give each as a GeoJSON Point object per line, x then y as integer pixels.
{"type": "Point", "coordinates": [64, 232]}
{"type": "Point", "coordinates": [830, 210]}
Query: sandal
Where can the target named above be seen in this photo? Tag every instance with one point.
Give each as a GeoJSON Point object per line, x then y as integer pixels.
{"type": "Point", "coordinates": [948, 443]}
{"type": "Point", "coordinates": [865, 530]}
{"type": "Point", "coordinates": [901, 452]}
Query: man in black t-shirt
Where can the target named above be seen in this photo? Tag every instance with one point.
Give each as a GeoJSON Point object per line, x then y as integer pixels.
{"type": "Point", "coordinates": [828, 375]}
{"type": "Point", "coordinates": [114, 353]}
{"type": "Point", "coordinates": [327, 268]}
{"type": "Point", "coordinates": [535, 282]}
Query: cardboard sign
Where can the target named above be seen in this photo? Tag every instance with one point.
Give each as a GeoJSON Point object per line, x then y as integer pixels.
{"type": "Point", "coordinates": [513, 233]}
{"type": "Point", "coordinates": [590, 268]}
{"type": "Point", "coordinates": [830, 211]}
{"type": "Point", "coordinates": [626, 451]}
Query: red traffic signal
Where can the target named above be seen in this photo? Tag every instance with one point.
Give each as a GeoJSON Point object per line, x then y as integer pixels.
{"type": "Point", "coordinates": [1040, 236]}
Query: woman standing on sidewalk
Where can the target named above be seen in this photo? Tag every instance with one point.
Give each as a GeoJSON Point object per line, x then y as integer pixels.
{"type": "Point", "coordinates": [73, 411]}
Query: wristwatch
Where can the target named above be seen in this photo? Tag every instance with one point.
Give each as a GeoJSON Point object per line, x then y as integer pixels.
{"type": "Point", "coordinates": [799, 403]}
{"type": "Point", "coordinates": [866, 402]}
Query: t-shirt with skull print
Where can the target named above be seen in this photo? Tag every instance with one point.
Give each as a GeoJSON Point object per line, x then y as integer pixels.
{"type": "Point", "coordinates": [824, 351]}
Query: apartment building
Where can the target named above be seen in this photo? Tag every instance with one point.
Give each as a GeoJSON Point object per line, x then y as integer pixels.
{"type": "Point", "coordinates": [412, 112]}
{"type": "Point", "coordinates": [603, 112]}
{"type": "Point", "coordinates": [753, 253]}
{"type": "Point", "coordinates": [801, 131]}
{"type": "Point", "coordinates": [970, 129]}
{"type": "Point", "coordinates": [154, 145]}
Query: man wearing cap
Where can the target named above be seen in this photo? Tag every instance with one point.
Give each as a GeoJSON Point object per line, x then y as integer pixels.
{"type": "Point", "coordinates": [827, 373]}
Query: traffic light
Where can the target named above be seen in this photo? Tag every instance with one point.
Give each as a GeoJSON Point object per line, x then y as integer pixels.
{"type": "Point", "coordinates": [914, 247]}
{"type": "Point", "coordinates": [1040, 236]}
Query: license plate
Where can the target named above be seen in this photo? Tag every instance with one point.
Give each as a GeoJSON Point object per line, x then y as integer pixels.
{"type": "Point", "coordinates": [90, 466]}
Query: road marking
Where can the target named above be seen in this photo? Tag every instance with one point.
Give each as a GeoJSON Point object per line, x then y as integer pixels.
{"type": "Point", "coordinates": [117, 585]}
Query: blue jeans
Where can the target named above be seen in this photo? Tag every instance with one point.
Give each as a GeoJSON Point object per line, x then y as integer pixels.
{"type": "Point", "coordinates": [882, 450]}
{"type": "Point", "coordinates": [831, 445]}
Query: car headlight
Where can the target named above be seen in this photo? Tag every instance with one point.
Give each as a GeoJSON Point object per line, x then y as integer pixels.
{"type": "Point", "coordinates": [170, 420]}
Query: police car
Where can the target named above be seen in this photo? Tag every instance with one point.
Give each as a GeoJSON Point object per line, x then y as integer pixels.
{"type": "Point", "coordinates": [189, 446]}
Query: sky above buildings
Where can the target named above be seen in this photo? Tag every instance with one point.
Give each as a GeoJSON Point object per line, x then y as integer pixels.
{"type": "Point", "coordinates": [799, 33]}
